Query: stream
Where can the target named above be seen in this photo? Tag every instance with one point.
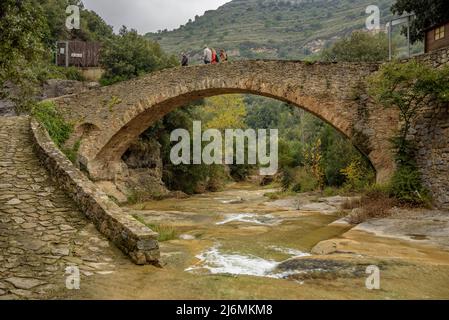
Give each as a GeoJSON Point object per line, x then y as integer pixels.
{"type": "Point", "coordinates": [238, 244]}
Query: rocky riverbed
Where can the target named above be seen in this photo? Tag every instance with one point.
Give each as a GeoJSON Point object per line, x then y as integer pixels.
{"type": "Point", "coordinates": [237, 244]}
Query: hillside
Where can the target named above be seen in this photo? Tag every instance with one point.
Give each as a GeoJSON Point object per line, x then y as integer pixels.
{"type": "Point", "coordinates": [270, 28]}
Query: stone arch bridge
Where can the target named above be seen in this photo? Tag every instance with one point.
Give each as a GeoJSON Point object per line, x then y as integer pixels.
{"type": "Point", "coordinates": [107, 120]}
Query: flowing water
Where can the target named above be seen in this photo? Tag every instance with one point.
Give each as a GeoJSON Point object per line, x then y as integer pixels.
{"type": "Point", "coordinates": [237, 244]}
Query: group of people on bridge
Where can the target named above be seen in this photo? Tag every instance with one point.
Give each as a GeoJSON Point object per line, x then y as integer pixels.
{"type": "Point", "coordinates": [210, 56]}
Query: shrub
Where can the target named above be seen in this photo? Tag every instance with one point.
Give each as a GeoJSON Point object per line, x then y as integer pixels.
{"type": "Point", "coordinates": [50, 71]}
{"type": "Point", "coordinates": [406, 186]}
{"type": "Point", "coordinates": [300, 179]}
{"type": "Point", "coordinates": [375, 203]}
{"type": "Point", "coordinates": [357, 175]}
{"type": "Point", "coordinates": [59, 130]}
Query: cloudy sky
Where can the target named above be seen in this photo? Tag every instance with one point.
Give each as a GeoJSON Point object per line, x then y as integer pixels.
{"type": "Point", "coordinates": [150, 15]}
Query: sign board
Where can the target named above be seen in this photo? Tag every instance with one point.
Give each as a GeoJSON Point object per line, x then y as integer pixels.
{"type": "Point", "coordinates": [76, 55]}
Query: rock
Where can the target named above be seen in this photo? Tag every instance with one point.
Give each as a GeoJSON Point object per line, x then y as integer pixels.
{"type": "Point", "coordinates": [111, 190]}
{"type": "Point", "coordinates": [324, 248]}
{"type": "Point", "coordinates": [24, 283]}
{"type": "Point", "coordinates": [60, 251]}
{"type": "Point", "coordinates": [318, 207]}
{"type": "Point", "coordinates": [233, 201]}
{"type": "Point", "coordinates": [104, 273]}
{"type": "Point", "coordinates": [65, 227]}
{"type": "Point", "coordinates": [22, 293]}
{"type": "Point", "coordinates": [186, 237]}
{"type": "Point", "coordinates": [18, 220]}
{"type": "Point", "coordinates": [29, 225]}
{"type": "Point", "coordinates": [13, 202]}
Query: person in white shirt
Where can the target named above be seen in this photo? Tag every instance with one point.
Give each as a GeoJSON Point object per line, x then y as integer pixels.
{"type": "Point", "coordinates": [207, 55]}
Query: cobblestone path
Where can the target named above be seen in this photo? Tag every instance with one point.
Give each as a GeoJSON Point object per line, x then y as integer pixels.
{"type": "Point", "coordinates": [41, 230]}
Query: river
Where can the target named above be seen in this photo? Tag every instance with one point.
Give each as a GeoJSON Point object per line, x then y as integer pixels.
{"type": "Point", "coordinates": [237, 244]}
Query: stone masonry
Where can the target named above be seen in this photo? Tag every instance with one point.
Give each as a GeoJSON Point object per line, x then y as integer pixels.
{"type": "Point", "coordinates": [109, 119]}
{"type": "Point", "coordinates": [41, 229]}
{"type": "Point", "coordinates": [431, 132]}
{"type": "Point", "coordinates": [129, 235]}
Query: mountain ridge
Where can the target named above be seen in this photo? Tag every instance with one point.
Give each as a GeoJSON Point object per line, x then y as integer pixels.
{"type": "Point", "coordinates": [270, 29]}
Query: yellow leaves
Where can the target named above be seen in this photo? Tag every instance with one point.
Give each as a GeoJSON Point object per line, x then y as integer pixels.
{"type": "Point", "coordinates": [354, 173]}
{"type": "Point", "coordinates": [224, 112]}
{"type": "Point", "coordinates": [314, 158]}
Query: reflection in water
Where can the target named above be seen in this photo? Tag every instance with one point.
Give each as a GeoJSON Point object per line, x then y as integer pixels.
{"type": "Point", "coordinates": [217, 262]}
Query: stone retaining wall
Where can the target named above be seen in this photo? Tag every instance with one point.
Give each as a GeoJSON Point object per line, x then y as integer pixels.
{"type": "Point", "coordinates": [132, 237]}
{"type": "Point", "coordinates": [431, 133]}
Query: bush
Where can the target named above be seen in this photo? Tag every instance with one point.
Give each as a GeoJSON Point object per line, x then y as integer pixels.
{"type": "Point", "coordinates": [58, 129]}
{"type": "Point", "coordinates": [50, 71]}
{"type": "Point", "coordinates": [299, 179]}
{"type": "Point", "coordinates": [375, 203]}
{"type": "Point", "coordinates": [361, 46]}
{"type": "Point", "coordinates": [358, 175]}
{"type": "Point", "coordinates": [46, 113]}
{"type": "Point", "coordinates": [406, 186]}
{"type": "Point", "coordinates": [128, 55]}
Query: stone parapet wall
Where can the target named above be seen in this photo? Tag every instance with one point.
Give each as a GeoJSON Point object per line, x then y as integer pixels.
{"type": "Point", "coordinates": [129, 235]}
{"type": "Point", "coordinates": [435, 58]}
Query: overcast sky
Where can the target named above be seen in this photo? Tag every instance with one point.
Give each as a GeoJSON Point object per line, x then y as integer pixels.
{"type": "Point", "coordinates": [150, 15]}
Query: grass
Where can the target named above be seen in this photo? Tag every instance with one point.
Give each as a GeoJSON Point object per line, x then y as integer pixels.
{"type": "Point", "coordinates": [166, 233]}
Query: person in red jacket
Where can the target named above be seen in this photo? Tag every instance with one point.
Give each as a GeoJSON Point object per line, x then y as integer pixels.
{"type": "Point", "coordinates": [214, 57]}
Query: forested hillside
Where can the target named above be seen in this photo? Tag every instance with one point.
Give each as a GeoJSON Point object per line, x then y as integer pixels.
{"type": "Point", "coordinates": [271, 29]}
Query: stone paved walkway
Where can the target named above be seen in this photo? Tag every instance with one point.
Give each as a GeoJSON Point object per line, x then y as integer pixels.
{"type": "Point", "coordinates": [41, 230]}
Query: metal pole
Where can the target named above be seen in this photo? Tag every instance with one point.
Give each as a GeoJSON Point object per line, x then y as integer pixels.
{"type": "Point", "coordinates": [56, 53]}
{"type": "Point", "coordinates": [67, 54]}
{"type": "Point", "coordinates": [408, 37]}
{"type": "Point", "coordinates": [390, 49]}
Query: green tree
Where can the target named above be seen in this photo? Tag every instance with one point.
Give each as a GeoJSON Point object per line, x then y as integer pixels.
{"type": "Point", "coordinates": [93, 27]}
{"type": "Point", "coordinates": [360, 46]}
{"type": "Point", "coordinates": [409, 87]}
{"type": "Point", "coordinates": [428, 13]}
{"type": "Point", "coordinates": [22, 29]}
{"type": "Point", "coordinates": [128, 55]}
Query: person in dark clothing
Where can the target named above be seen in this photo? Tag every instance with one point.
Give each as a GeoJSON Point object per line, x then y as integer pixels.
{"type": "Point", "coordinates": [184, 60]}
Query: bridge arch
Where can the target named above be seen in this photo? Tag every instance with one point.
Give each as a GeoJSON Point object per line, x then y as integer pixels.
{"type": "Point", "coordinates": [332, 92]}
